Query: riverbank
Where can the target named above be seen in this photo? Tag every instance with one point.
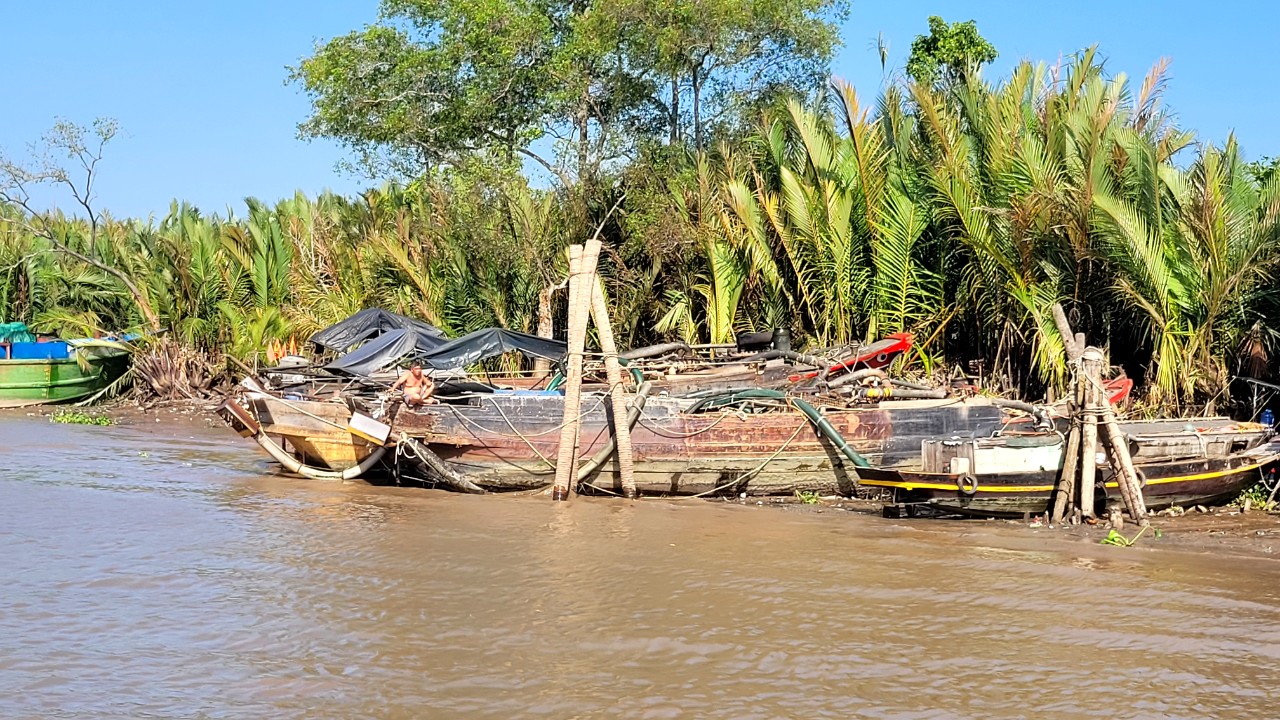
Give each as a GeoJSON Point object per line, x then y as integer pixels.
{"type": "Point", "coordinates": [1225, 530]}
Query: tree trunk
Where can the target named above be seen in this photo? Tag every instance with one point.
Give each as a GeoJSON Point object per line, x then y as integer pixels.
{"type": "Point", "coordinates": [584, 150]}
{"type": "Point", "coordinates": [545, 327]}
{"type": "Point", "coordinates": [697, 111]}
{"type": "Point", "coordinates": [675, 110]}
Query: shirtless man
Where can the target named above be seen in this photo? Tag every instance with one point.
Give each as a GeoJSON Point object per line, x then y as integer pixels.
{"type": "Point", "coordinates": [418, 388]}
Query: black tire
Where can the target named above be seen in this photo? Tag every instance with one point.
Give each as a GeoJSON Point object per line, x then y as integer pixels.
{"type": "Point", "coordinates": [967, 484]}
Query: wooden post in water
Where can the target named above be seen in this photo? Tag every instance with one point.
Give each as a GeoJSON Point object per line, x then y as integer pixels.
{"type": "Point", "coordinates": [567, 452]}
{"type": "Point", "coordinates": [1091, 372]}
{"type": "Point", "coordinates": [617, 395]}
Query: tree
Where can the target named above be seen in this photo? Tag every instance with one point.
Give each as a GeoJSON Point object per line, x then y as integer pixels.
{"type": "Point", "coordinates": [83, 149]}
{"type": "Point", "coordinates": [434, 80]}
{"type": "Point", "coordinates": [1261, 171]}
{"type": "Point", "coordinates": [948, 53]}
{"type": "Point", "coordinates": [726, 56]}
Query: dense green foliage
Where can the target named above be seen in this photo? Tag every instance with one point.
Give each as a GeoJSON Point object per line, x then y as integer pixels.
{"type": "Point", "coordinates": [959, 211]}
{"type": "Point", "coordinates": [437, 81]}
{"type": "Point", "coordinates": [948, 52]}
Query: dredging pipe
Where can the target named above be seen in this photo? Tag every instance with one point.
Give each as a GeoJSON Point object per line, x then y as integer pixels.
{"type": "Point", "coordinates": [654, 350]}
{"type": "Point", "coordinates": [602, 455]}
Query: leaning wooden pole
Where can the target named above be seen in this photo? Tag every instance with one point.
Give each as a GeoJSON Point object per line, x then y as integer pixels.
{"type": "Point", "coordinates": [1071, 342]}
{"type": "Point", "coordinates": [1122, 461]}
{"type": "Point", "coordinates": [567, 452]}
{"type": "Point", "coordinates": [1073, 345]}
{"type": "Point", "coordinates": [1070, 462]}
{"type": "Point", "coordinates": [617, 395]}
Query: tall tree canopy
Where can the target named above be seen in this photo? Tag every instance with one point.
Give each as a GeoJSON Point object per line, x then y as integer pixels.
{"type": "Point", "coordinates": [433, 80]}
{"type": "Point", "coordinates": [948, 52]}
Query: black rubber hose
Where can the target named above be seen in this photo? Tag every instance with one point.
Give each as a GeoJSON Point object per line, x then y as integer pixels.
{"type": "Point", "coordinates": [603, 454]}
{"type": "Point", "coordinates": [652, 350]}
{"type": "Point", "coordinates": [791, 355]}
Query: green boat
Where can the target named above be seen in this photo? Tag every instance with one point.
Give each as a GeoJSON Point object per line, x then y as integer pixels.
{"type": "Point", "coordinates": [57, 371]}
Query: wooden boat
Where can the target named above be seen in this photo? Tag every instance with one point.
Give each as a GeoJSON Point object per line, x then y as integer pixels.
{"type": "Point", "coordinates": [505, 440]}
{"type": "Point", "coordinates": [39, 373]}
{"type": "Point", "coordinates": [1009, 476]}
{"type": "Point", "coordinates": [952, 455]}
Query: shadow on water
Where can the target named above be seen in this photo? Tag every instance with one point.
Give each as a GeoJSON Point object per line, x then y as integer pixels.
{"type": "Point", "coordinates": [168, 572]}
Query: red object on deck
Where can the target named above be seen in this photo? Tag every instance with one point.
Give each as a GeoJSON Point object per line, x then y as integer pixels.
{"type": "Point", "coordinates": [1118, 389]}
{"type": "Point", "coordinates": [878, 355]}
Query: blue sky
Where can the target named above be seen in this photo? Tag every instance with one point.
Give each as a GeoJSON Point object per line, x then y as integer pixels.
{"type": "Point", "coordinates": [200, 91]}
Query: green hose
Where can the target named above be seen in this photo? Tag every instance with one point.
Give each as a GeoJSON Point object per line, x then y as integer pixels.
{"type": "Point", "coordinates": [729, 398]}
{"type": "Point", "coordinates": [557, 378]}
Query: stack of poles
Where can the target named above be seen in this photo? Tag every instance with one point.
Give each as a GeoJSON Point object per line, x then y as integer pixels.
{"type": "Point", "coordinates": [1091, 409]}
{"type": "Point", "coordinates": [586, 300]}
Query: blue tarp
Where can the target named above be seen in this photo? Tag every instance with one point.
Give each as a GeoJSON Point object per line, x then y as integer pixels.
{"type": "Point", "coordinates": [56, 350]}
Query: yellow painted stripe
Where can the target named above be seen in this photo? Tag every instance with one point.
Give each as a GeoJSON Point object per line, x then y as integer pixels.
{"type": "Point", "coordinates": [1046, 488]}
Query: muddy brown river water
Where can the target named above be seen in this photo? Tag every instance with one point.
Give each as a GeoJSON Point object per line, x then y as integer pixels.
{"type": "Point", "coordinates": [166, 572]}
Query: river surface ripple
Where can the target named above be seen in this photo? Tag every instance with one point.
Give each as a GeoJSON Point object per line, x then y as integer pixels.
{"type": "Point", "coordinates": [168, 573]}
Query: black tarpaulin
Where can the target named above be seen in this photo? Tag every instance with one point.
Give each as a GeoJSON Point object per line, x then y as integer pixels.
{"type": "Point", "coordinates": [373, 322]}
{"type": "Point", "coordinates": [491, 342]}
{"type": "Point", "coordinates": [376, 354]}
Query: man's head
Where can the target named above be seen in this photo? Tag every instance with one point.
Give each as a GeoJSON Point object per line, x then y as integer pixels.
{"type": "Point", "coordinates": [416, 369]}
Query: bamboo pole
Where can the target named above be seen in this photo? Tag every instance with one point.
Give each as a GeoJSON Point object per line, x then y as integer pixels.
{"type": "Point", "coordinates": [567, 452]}
{"type": "Point", "coordinates": [1091, 371]}
{"type": "Point", "coordinates": [617, 396]}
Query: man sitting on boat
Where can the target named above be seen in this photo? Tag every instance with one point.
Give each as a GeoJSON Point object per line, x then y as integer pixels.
{"type": "Point", "coordinates": [418, 388]}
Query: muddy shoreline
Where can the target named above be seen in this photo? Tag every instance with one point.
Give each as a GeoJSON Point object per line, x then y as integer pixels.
{"type": "Point", "coordinates": [1225, 530]}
